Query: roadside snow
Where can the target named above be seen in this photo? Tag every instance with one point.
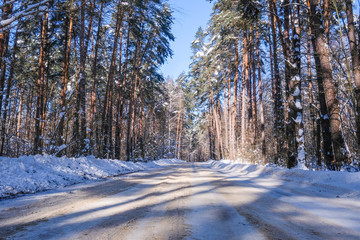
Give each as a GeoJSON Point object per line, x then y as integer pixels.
{"type": "Point", "coordinates": [343, 180]}
{"type": "Point", "coordinates": [29, 174]}
{"type": "Point", "coordinates": [328, 195]}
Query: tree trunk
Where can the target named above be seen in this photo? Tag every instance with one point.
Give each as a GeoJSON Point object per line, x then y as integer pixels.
{"type": "Point", "coordinates": [278, 109]}
{"type": "Point", "coordinates": [235, 99]}
{"type": "Point", "coordinates": [324, 72]}
{"type": "Point", "coordinates": [314, 114]}
{"type": "Point", "coordinates": [254, 91]}
{"type": "Point", "coordinates": [226, 119]}
{"type": "Point", "coordinates": [219, 110]}
{"type": "Point", "coordinates": [129, 135]}
{"type": "Point", "coordinates": [4, 44]}
{"type": "Point", "coordinates": [119, 105]}
{"type": "Point", "coordinates": [37, 149]}
{"type": "Point", "coordinates": [286, 47]}
{"type": "Point", "coordinates": [209, 121]}
{"type": "Point", "coordinates": [327, 20]}
{"type": "Point", "coordinates": [46, 96]}
{"type": "Point", "coordinates": [19, 115]}
{"type": "Point", "coordinates": [245, 80]}
{"type": "Point", "coordinates": [4, 34]}
{"type": "Point", "coordinates": [217, 122]}
{"type": "Point", "coordinates": [262, 117]}
{"type": "Point", "coordinates": [134, 91]}
{"type": "Point", "coordinates": [80, 111]}
{"type": "Point", "coordinates": [108, 110]}
{"type": "Point", "coordinates": [178, 155]}
{"type": "Point", "coordinates": [8, 89]}
{"type": "Point", "coordinates": [64, 80]}
{"type": "Point", "coordinates": [250, 117]}
{"type": "Point", "coordinates": [121, 99]}
{"type": "Point", "coordinates": [355, 58]}
{"type": "Point", "coordinates": [271, 57]}
{"type": "Point", "coordinates": [296, 148]}
{"type": "Point", "coordinates": [94, 128]}
{"type": "Point", "coordinates": [228, 122]}
{"type": "Point", "coordinates": [178, 128]}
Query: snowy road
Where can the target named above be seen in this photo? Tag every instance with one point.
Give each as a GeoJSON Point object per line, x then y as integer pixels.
{"type": "Point", "coordinates": [186, 201]}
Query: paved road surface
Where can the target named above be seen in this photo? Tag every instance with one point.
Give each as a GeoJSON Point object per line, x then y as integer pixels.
{"type": "Point", "coordinates": [187, 201]}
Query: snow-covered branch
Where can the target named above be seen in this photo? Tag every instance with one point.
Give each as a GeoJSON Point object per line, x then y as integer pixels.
{"type": "Point", "coordinates": [31, 9]}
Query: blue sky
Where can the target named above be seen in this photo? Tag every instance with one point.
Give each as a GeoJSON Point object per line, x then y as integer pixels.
{"type": "Point", "coordinates": [189, 15]}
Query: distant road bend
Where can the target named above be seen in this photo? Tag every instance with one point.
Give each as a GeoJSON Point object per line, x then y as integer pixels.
{"type": "Point", "coordinates": [185, 201]}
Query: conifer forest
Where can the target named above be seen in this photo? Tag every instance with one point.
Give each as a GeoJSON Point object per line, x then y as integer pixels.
{"type": "Point", "coordinates": [272, 82]}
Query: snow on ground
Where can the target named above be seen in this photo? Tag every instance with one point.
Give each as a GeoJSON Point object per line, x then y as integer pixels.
{"type": "Point", "coordinates": [333, 179]}
{"type": "Point", "coordinates": [29, 174]}
{"type": "Point", "coordinates": [212, 200]}
{"type": "Point", "coordinates": [334, 196]}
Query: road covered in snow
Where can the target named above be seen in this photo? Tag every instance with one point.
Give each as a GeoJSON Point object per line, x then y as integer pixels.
{"type": "Point", "coordinates": [213, 200]}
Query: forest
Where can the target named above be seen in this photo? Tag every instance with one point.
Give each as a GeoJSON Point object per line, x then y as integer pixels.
{"type": "Point", "coordinates": [270, 82]}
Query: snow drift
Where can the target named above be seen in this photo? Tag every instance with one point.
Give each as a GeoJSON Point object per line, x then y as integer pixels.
{"type": "Point", "coordinates": [29, 174]}
{"type": "Point", "coordinates": [328, 179]}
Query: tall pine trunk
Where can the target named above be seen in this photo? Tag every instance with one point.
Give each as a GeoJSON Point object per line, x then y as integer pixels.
{"type": "Point", "coordinates": [80, 108]}
{"type": "Point", "coordinates": [243, 97]}
{"type": "Point", "coordinates": [119, 105]}
{"type": "Point", "coordinates": [6, 110]}
{"type": "Point", "coordinates": [65, 78]}
{"type": "Point", "coordinates": [37, 149]}
{"type": "Point", "coordinates": [296, 148]}
{"type": "Point", "coordinates": [94, 132]}
{"type": "Point", "coordinates": [235, 100]}
{"type": "Point", "coordinates": [254, 92]}
{"type": "Point", "coordinates": [355, 57]}
{"type": "Point", "coordinates": [108, 110]}
{"type": "Point", "coordinates": [121, 99]}
{"type": "Point", "coordinates": [262, 117]}
{"type": "Point", "coordinates": [19, 117]}
{"type": "Point", "coordinates": [314, 113]}
{"type": "Point", "coordinates": [4, 44]}
{"type": "Point", "coordinates": [324, 72]}
{"type": "Point", "coordinates": [278, 108]}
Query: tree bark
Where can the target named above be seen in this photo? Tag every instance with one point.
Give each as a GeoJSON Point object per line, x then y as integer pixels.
{"type": "Point", "coordinates": [355, 58]}
{"type": "Point", "coordinates": [178, 155]}
{"type": "Point", "coordinates": [4, 43]}
{"type": "Point", "coordinates": [327, 20]}
{"type": "Point", "coordinates": [217, 122]}
{"type": "Point", "coordinates": [121, 99]}
{"type": "Point", "coordinates": [19, 115]}
{"type": "Point", "coordinates": [254, 92]}
{"type": "Point", "coordinates": [314, 114]}
{"type": "Point", "coordinates": [244, 81]}
{"type": "Point", "coordinates": [108, 110]}
{"type": "Point", "coordinates": [235, 98]}
{"type": "Point", "coordinates": [278, 108]}
{"type": "Point", "coordinates": [250, 117]}
{"type": "Point", "coordinates": [324, 72]}
{"type": "Point", "coordinates": [296, 148]}
{"type": "Point", "coordinates": [94, 128]}
{"type": "Point", "coordinates": [37, 149]}
{"type": "Point", "coordinates": [131, 112]}
{"type": "Point", "coordinates": [65, 78]}
{"type": "Point", "coordinates": [80, 108]}
{"type": "Point", "coordinates": [262, 117]}
{"type": "Point", "coordinates": [119, 105]}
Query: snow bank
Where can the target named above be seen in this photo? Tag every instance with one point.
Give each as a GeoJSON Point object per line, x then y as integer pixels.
{"type": "Point", "coordinates": [344, 180]}
{"type": "Point", "coordinates": [29, 174]}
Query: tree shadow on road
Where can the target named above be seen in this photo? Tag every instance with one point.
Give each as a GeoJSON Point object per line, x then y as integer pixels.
{"type": "Point", "coordinates": [125, 202]}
